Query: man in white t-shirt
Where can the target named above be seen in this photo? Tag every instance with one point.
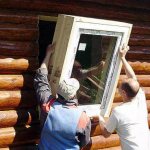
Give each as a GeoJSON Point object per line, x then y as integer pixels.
{"type": "Point", "coordinates": [129, 119]}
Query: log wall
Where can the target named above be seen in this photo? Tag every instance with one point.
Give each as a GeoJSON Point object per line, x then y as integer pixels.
{"type": "Point", "coordinates": [18, 60]}
{"type": "Point", "coordinates": [19, 123]}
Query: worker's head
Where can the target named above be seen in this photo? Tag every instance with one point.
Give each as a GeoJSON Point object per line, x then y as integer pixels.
{"type": "Point", "coordinates": [68, 88]}
{"type": "Point", "coordinates": [128, 89]}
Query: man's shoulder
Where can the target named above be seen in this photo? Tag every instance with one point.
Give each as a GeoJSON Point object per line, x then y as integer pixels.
{"type": "Point", "coordinates": [119, 109]}
{"type": "Point", "coordinates": [140, 92]}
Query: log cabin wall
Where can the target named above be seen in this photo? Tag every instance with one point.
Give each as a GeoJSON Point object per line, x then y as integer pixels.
{"type": "Point", "coordinates": [18, 61]}
{"type": "Point", "coordinates": [16, 93]}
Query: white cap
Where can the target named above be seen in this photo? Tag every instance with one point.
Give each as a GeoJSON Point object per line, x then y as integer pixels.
{"type": "Point", "coordinates": [68, 88]}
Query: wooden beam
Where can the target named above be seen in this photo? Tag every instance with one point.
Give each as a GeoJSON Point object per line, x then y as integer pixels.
{"type": "Point", "coordinates": [141, 29]}
{"type": "Point", "coordinates": [11, 82]}
{"type": "Point", "coordinates": [112, 148]}
{"type": "Point", "coordinates": [77, 8]}
{"type": "Point", "coordinates": [138, 41]}
{"type": "Point", "coordinates": [48, 18]}
{"type": "Point", "coordinates": [17, 99]}
{"type": "Point", "coordinates": [19, 135]}
{"type": "Point", "coordinates": [21, 147]}
{"type": "Point", "coordinates": [18, 18]}
{"type": "Point", "coordinates": [14, 32]}
{"type": "Point", "coordinates": [129, 4]}
{"type": "Point", "coordinates": [138, 53]}
{"type": "Point", "coordinates": [17, 65]}
{"type": "Point", "coordinates": [15, 48]}
{"type": "Point", "coordinates": [11, 118]}
{"type": "Point", "coordinates": [140, 67]}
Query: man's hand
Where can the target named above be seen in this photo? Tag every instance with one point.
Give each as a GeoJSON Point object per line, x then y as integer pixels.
{"type": "Point", "coordinates": [49, 51]}
{"type": "Point", "coordinates": [123, 51]}
{"type": "Point", "coordinates": [50, 48]}
{"type": "Point", "coordinates": [104, 131]}
{"type": "Point", "coordinates": [101, 119]}
{"type": "Point", "coordinates": [128, 69]}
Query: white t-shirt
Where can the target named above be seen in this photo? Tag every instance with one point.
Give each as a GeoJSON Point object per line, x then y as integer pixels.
{"type": "Point", "coordinates": [130, 122]}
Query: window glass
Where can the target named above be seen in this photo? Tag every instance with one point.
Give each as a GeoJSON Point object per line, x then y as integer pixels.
{"type": "Point", "coordinates": [89, 64]}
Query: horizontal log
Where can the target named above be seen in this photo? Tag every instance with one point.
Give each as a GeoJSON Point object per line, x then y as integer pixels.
{"type": "Point", "coordinates": [19, 135]}
{"type": "Point", "coordinates": [77, 8]}
{"type": "Point", "coordinates": [118, 98]}
{"type": "Point", "coordinates": [112, 148]}
{"type": "Point", "coordinates": [138, 53]}
{"type": "Point", "coordinates": [129, 4]}
{"type": "Point", "coordinates": [13, 48]}
{"type": "Point", "coordinates": [14, 33]}
{"type": "Point", "coordinates": [21, 147]}
{"type": "Point", "coordinates": [140, 29]}
{"type": "Point", "coordinates": [140, 67]}
{"type": "Point", "coordinates": [11, 82]}
{"type": "Point", "coordinates": [18, 117]}
{"type": "Point", "coordinates": [18, 18]}
{"type": "Point", "coordinates": [144, 80]}
{"type": "Point", "coordinates": [98, 142]}
{"type": "Point", "coordinates": [17, 99]}
{"type": "Point", "coordinates": [137, 41]}
{"type": "Point", "coordinates": [18, 65]}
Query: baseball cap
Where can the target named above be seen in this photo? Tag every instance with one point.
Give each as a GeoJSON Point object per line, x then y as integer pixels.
{"type": "Point", "coordinates": [68, 87]}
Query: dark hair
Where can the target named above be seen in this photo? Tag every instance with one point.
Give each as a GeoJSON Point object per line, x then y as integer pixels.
{"type": "Point", "coordinates": [130, 90]}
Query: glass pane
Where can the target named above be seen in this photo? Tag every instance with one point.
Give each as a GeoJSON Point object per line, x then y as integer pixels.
{"type": "Point", "coordinates": [91, 66]}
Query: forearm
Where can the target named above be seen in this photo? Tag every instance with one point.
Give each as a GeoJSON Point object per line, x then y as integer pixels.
{"type": "Point", "coordinates": [102, 124]}
{"type": "Point", "coordinates": [41, 84]}
{"type": "Point", "coordinates": [45, 61]}
{"type": "Point", "coordinates": [128, 69]}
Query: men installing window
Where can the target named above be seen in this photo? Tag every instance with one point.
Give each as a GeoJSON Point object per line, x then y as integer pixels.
{"type": "Point", "coordinates": [130, 118]}
{"type": "Point", "coordinates": [64, 125]}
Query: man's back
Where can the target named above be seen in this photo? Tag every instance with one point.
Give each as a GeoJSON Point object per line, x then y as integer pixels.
{"type": "Point", "coordinates": [132, 125]}
{"type": "Point", "coordinates": [60, 127]}
{"type": "Point", "coordinates": [130, 118]}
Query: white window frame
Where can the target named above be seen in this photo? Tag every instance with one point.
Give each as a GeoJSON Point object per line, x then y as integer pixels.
{"type": "Point", "coordinates": [67, 33]}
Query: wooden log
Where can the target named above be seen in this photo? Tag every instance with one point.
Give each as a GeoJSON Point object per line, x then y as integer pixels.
{"type": "Point", "coordinates": [98, 142]}
{"type": "Point", "coordinates": [17, 65]}
{"type": "Point", "coordinates": [18, 18]}
{"type": "Point", "coordinates": [13, 48]}
{"type": "Point", "coordinates": [21, 147]}
{"type": "Point", "coordinates": [19, 135]}
{"type": "Point", "coordinates": [138, 53]}
{"type": "Point", "coordinates": [111, 148]}
{"type": "Point", "coordinates": [18, 117]}
{"type": "Point", "coordinates": [14, 33]}
{"type": "Point", "coordinates": [128, 4]}
{"type": "Point", "coordinates": [17, 99]}
{"type": "Point", "coordinates": [90, 9]}
{"type": "Point", "coordinates": [11, 82]}
{"type": "Point", "coordinates": [138, 41]}
{"type": "Point", "coordinates": [144, 80]}
{"type": "Point", "coordinates": [118, 98]}
{"type": "Point", "coordinates": [140, 67]}
{"type": "Point", "coordinates": [140, 29]}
